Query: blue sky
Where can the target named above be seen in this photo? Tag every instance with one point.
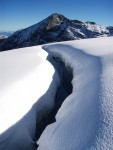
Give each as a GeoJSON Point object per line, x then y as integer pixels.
{"type": "Point", "coordinates": [18, 14]}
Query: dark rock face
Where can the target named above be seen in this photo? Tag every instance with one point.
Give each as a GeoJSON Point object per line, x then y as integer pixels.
{"type": "Point", "coordinates": [55, 28]}
{"type": "Point", "coordinates": [54, 20]}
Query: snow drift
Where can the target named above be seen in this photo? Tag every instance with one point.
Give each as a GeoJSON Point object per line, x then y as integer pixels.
{"type": "Point", "coordinates": [27, 92]}
{"type": "Point", "coordinates": [85, 119]}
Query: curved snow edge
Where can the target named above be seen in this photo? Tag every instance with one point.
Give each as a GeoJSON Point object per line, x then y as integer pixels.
{"type": "Point", "coordinates": [22, 134]}
{"type": "Point", "coordinates": [73, 128]}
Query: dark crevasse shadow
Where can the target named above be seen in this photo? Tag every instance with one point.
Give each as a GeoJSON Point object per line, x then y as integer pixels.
{"type": "Point", "coordinates": [63, 91]}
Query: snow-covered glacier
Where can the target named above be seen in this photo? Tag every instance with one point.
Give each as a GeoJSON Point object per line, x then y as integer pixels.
{"type": "Point", "coordinates": [29, 82]}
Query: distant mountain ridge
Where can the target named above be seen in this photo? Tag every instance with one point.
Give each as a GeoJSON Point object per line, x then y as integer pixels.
{"type": "Point", "coordinates": [5, 33]}
{"type": "Point", "coordinates": [55, 28]}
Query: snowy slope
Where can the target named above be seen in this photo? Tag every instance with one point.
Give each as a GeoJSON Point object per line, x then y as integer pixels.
{"type": "Point", "coordinates": [26, 89]}
{"type": "Point", "coordinates": [85, 119]}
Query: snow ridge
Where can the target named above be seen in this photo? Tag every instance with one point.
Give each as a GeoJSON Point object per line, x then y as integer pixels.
{"type": "Point", "coordinates": [74, 121]}
{"type": "Point", "coordinates": [84, 120]}
{"type": "Point", "coordinates": [106, 97]}
{"type": "Point", "coordinates": [27, 94]}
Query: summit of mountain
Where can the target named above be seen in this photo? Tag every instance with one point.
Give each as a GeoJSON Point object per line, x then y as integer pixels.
{"type": "Point", "coordinates": [55, 28]}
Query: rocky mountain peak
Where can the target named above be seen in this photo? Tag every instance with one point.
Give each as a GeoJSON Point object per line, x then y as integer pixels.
{"type": "Point", "coordinates": [55, 28]}
{"type": "Point", "coordinates": [54, 20]}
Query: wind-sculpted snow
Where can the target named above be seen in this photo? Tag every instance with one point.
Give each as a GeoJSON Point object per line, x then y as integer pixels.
{"type": "Point", "coordinates": [28, 84]}
{"type": "Point", "coordinates": [30, 93]}
{"type": "Point", "coordinates": [85, 119]}
{"type": "Point", "coordinates": [105, 138]}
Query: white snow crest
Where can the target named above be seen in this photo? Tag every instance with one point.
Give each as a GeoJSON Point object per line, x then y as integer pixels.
{"type": "Point", "coordinates": [28, 84]}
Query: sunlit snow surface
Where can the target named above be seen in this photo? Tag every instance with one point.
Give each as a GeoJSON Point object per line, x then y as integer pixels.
{"type": "Point", "coordinates": [23, 74]}
{"type": "Point", "coordinates": [85, 119]}
{"type": "Point", "coordinates": [28, 84]}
